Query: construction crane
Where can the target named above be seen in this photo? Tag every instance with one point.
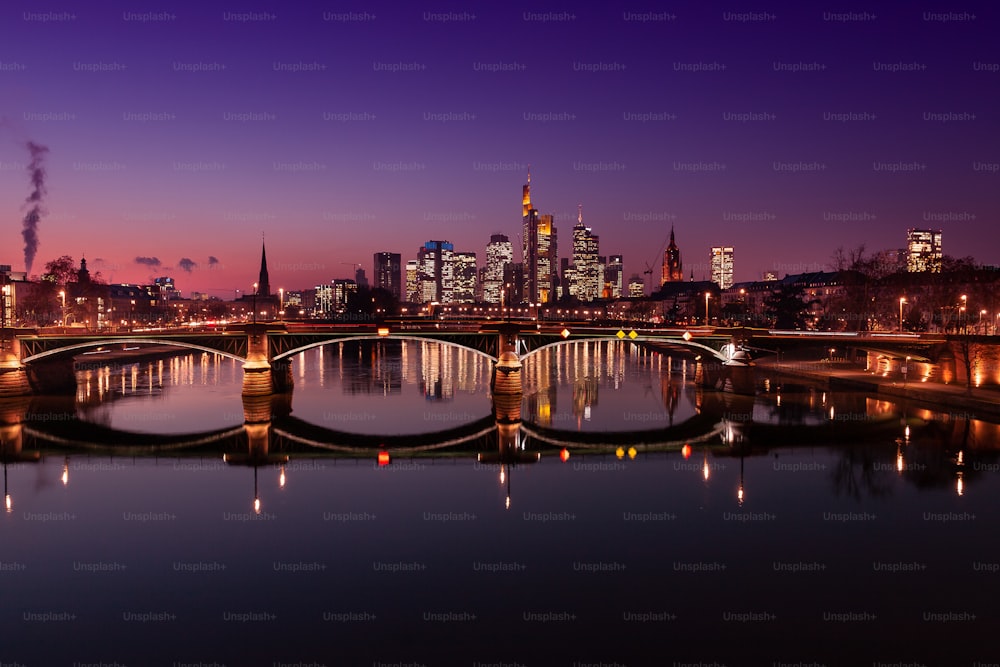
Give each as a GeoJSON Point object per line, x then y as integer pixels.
{"type": "Point", "coordinates": [649, 265]}
{"type": "Point", "coordinates": [357, 267]}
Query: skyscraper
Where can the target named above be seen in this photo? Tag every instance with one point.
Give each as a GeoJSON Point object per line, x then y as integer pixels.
{"type": "Point", "coordinates": [722, 266]}
{"type": "Point", "coordinates": [588, 282]}
{"type": "Point", "coordinates": [463, 277]}
{"type": "Point", "coordinates": [539, 250]}
{"type": "Point", "coordinates": [613, 278]}
{"type": "Point", "coordinates": [436, 271]}
{"type": "Point", "coordinates": [387, 272]}
{"type": "Point", "coordinates": [672, 271]}
{"type": "Point", "coordinates": [923, 250]}
{"type": "Point", "coordinates": [412, 281]}
{"type": "Point", "coordinates": [499, 253]}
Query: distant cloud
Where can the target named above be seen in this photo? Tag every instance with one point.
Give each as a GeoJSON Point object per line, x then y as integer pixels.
{"type": "Point", "coordinates": [148, 261]}
{"type": "Point", "coordinates": [187, 264]}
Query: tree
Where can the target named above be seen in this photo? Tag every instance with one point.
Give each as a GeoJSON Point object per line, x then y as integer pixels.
{"type": "Point", "coordinates": [788, 307]}
{"type": "Point", "coordinates": [60, 271]}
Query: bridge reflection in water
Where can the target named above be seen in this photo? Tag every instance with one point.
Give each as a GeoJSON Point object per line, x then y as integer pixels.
{"type": "Point", "coordinates": [870, 435]}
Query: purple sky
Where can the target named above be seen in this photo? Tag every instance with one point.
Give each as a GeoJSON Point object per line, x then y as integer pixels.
{"type": "Point", "coordinates": [149, 158]}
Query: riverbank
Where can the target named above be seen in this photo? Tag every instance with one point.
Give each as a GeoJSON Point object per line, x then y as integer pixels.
{"type": "Point", "coordinates": [976, 403]}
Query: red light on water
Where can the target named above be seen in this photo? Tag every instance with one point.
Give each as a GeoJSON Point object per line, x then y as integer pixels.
{"type": "Point", "coordinates": [564, 455]}
{"type": "Point", "coordinates": [686, 451]}
{"type": "Point", "coordinates": [383, 458]}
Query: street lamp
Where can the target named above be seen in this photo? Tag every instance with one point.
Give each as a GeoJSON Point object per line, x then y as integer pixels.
{"type": "Point", "coordinates": [902, 300]}
{"type": "Point", "coordinates": [281, 301]}
{"type": "Point", "coordinates": [708, 295]}
{"type": "Point", "coordinates": [981, 313]}
{"type": "Point", "coordinates": [961, 310]}
{"type": "Point", "coordinates": [255, 304]}
{"type": "Point", "coordinates": [62, 295]}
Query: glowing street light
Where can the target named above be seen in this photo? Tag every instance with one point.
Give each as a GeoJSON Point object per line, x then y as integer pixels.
{"type": "Point", "coordinates": [708, 295]}
{"type": "Point", "coordinates": [902, 300]}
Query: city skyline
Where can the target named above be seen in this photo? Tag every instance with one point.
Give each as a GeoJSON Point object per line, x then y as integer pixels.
{"type": "Point", "coordinates": [175, 138]}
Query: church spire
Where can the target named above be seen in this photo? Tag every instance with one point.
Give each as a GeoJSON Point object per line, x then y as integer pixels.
{"type": "Point", "coordinates": [263, 283]}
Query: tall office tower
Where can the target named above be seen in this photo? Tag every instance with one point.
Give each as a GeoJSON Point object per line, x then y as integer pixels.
{"type": "Point", "coordinates": [323, 301]}
{"type": "Point", "coordinates": [636, 287]}
{"type": "Point", "coordinates": [463, 277]}
{"type": "Point", "coordinates": [672, 271]}
{"type": "Point", "coordinates": [722, 266]}
{"type": "Point", "coordinates": [539, 250]}
{"type": "Point", "coordinates": [923, 250]}
{"type": "Point", "coordinates": [387, 272]}
{"type": "Point", "coordinates": [360, 279]}
{"type": "Point", "coordinates": [499, 253]}
{"type": "Point", "coordinates": [586, 269]}
{"type": "Point", "coordinates": [436, 271]}
{"type": "Point", "coordinates": [613, 278]}
{"type": "Point", "coordinates": [412, 281]}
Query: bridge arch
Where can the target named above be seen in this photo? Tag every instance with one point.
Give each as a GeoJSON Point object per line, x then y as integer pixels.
{"type": "Point", "coordinates": [638, 339]}
{"type": "Point", "coordinates": [408, 337]}
{"type": "Point", "coordinates": [139, 341]}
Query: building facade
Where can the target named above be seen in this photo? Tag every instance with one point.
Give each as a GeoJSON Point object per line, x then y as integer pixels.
{"type": "Point", "coordinates": [499, 253]}
{"type": "Point", "coordinates": [388, 273]}
{"type": "Point", "coordinates": [722, 266]}
{"type": "Point", "coordinates": [923, 250]}
{"type": "Point", "coordinates": [672, 271]}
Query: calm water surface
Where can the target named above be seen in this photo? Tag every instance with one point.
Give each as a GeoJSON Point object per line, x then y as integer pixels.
{"type": "Point", "coordinates": [148, 525]}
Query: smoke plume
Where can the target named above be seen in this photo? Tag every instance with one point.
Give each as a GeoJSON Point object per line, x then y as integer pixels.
{"type": "Point", "coordinates": [148, 261]}
{"type": "Point", "coordinates": [187, 264]}
{"type": "Point", "coordinates": [36, 169]}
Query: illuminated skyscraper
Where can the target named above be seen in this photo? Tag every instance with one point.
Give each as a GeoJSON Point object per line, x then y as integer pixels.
{"type": "Point", "coordinates": [463, 277]}
{"type": "Point", "coordinates": [722, 266]}
{"type": "Point", "coordinates": [539, 250]}
{"type": "Point", "coordinates": [412, 281]}
{"type": "Point", "coordinates": [436, 279]}
{"type": "Point", "coordinates": [499, 253]}
{"type": "Point", "coordinates": [923, 250]}
{"type": "Point", "coordinates": [586, 271]}
{"type": "Point", "coordinates": [613, 278]}
{"type": "Point", "coordinates": [387, 272]}
{"type": "Point", "coordinates": [672, 270]}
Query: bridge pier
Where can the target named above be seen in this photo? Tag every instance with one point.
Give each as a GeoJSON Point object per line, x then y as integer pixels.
{"type": "Point", "coordinates": [13, 377]}
{"type": "Point", "coordinates": [13, 374]}
{"type": "Point", "coordinates": [257, 380]}
{"type": "Point", "coordinates": [506, 383]}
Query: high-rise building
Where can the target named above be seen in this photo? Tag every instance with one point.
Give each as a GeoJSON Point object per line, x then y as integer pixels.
{"type": "Point", "coordinates": [499, 253]}
{"type": "Point", "coordinates": [412, 281]}
{"type": "Point", "coordinates": [586, 271]}
{"type": "Point", "coordinates": [923, 250]}
{"type": "Point", "coordinates": [672, 270]}
{"type": "Point", "coordinates": [343, 288]}
{"type": "Point", "coordinates": [539, 250]}
{"type": "Point", "coordinates": [324, 301]}
{"type": "Point", "coordinates": [722, 266]}
{"type": "Point", "coordinates": [463, 277]}
{"type": "Point", "coordinates": [436, 271]}
{"type": "Point", "coordinates": [387, 273]}
{"type": "Point", "coordinates": [360, 279]}
{"type": "Point", "coordinates": [636, 287]}
{"type": "Point", "coordinates": [613, 278]}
